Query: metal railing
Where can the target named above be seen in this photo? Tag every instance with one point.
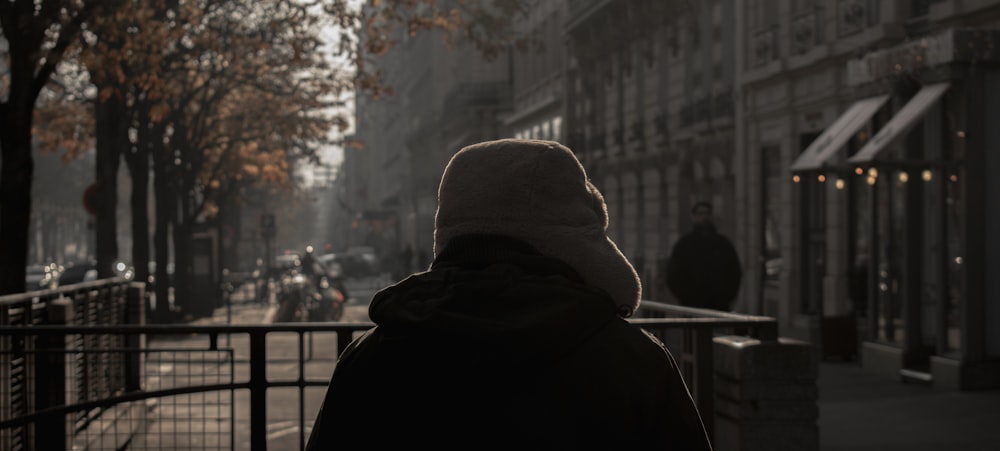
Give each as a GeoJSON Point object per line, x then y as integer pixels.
{"type": "Point", "coordinates": [241, 348]}
{"type": "Point", "coordinates": [35, 372]}
{"type": "Point", "coordinates": [237, 386]}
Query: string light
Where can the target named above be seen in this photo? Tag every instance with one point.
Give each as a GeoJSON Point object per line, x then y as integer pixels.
{"type": "Point", "coordinates": [903, 177]}
{"type": "Point", "coordinates": [858, 170]}
{"type": "Point", "coordinates": [821, 178]}
{"type": "Point", "coordinates": [795, 178]}
{"type": "Point", "coordinates": [927, 175]}
{"type": "Point", "coordinates": [840, 183]}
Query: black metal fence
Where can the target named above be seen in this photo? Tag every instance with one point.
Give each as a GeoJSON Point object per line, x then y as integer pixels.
{"type": "Point", "coordinates": [102, 383]}
{"type": "Point", "coordinates": [39, 373]}
{"type": "Point", "coordinates": [201, 387]}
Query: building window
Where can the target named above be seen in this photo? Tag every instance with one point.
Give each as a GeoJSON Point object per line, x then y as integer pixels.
{"type": "Point", "coordinates": [773, 236]}
{"type": "Point", "coordinates": [855, 15]}
{"type": "Point", "coordinates": [812, 208]}
{"type": "Point", "coordinates": [954, 259]}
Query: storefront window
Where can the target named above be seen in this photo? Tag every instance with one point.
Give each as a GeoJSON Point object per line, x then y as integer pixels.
{"type": "Point", "coordinates": [954, 208]}
{"type": "Point", "coordinates": [860, 236]}
{"type": "Point", "coordinates": [774, 178]}
{"type": "Point", "coordinates": [891, 229]}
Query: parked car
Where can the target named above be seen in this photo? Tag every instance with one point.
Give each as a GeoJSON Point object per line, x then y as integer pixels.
{"type": "Point", "coordinates": [78, 273]}
{"type": "Point", "coordinates": [285, 262]}
{"type": "Point", "coordinates": [41, 277]}
{"type": "Point", "coordinates": [351, 265]}
{"type": "Point", "coordinates": [87, 271]}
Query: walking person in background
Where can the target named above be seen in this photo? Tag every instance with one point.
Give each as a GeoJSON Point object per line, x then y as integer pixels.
{"type": "Point", "coordinates": [704, 270]}
{"type": "Point", "coordinates": [516, 336]}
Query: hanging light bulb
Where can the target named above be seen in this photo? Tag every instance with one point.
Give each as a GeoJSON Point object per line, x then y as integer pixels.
{"type": "Point", "coordinates": [872, 172]}
{"type": "Point", "coordinates": [839, 183]}
{"type": "Point", "coordinates": [821, 178]}
{"type": "Point", "coordinates": [795, 178]}
{"type": "Point", "coordinates": [927, 175]}
{"type": "Point", "coordinates": [858, 170]}
{"type": "Point", "coordinates": [903, 177]}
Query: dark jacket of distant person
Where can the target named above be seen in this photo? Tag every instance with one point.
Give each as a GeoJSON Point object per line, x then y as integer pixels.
{"type": "Point", "coordinates": [516, 336]}
{"type": "Point", "coordinates": [704, 269]}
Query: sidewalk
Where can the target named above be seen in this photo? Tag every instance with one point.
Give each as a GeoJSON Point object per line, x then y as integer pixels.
{"type": "Point", "coordinates": [860, 411]}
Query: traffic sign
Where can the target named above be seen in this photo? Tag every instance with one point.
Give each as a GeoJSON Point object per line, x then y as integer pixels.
{"type": "Point", "coordinates": [267, 225]}
{"type": "Point", "coordinates": [90, 199]}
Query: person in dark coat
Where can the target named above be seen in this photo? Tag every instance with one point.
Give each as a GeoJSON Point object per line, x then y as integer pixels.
{"type": "Point", "coordinates": [704, 270]}
{"type": "Point", "coordinates": [516, 336]}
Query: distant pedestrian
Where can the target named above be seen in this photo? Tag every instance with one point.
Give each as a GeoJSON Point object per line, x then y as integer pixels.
{"type": "Point", "coordinates": [704, 270]}
{"type": "Point", "coordinates": [516, 337]}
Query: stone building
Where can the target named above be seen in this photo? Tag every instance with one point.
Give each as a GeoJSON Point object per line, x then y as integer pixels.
{"type": "Point", "coordinates": [649, 108]}
{"type": "Point", "coordinates": [444, 98]}
{"type": "Point", "coordinates": [864, 131]}
{"type": "Point", "coordinates": [844, 143]}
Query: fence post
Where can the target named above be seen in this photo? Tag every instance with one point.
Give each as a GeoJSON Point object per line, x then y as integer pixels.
{"type": "Point", "coordinates": [766, 395]}
{"type": "Point", "coordinates": [135, 313]}
{"type": "Point", "coordinates": [50, 373]}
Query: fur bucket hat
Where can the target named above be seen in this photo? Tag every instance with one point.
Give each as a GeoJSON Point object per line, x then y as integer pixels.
{"type": "Point", "coordinates": [538, 192]}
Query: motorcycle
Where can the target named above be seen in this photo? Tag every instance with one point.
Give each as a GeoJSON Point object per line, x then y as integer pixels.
{"type": "Point", "coordinates": [303, 298]}
{"type": "Point", "coordinates": [327, 303]}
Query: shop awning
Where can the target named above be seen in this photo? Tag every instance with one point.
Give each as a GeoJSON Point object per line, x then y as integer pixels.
{"type": "Point", "coordinates": [901, 123]}
{"type": "Point", "coordinates": [838, 133]}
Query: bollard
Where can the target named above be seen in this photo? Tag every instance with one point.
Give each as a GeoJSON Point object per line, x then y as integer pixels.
{"type": "Point", "coordinates": [766, 395]}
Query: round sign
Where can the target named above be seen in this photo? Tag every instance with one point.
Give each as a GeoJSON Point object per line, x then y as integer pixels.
{"type": "Point", "coordinates": [90, 199]}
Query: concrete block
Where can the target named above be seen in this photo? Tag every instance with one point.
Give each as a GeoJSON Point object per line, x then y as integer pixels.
{"type": "Point", "coordinates": [766, 390]}
{"type": "Point", "coordinates": [756, 410]}
{"type": "Point", "coordinates": [744, 358]}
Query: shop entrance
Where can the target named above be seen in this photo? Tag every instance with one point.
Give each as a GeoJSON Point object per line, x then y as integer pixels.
{"type": "Point", "coordinates": [910, 272]}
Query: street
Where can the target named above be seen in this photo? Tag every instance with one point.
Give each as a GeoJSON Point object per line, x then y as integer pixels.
{"type": "Point", "coordinates": [202, 421]}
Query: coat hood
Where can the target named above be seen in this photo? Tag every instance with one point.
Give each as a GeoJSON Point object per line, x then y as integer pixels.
{"type": "Point", "coordinates": [498, 294]}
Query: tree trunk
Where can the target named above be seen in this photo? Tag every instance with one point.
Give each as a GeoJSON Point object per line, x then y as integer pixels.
{"type": "Point", "coordinates": [182, 254]}
{"type": "Point", "coordinates": [16, 172]}
{"type": "Point", "coordinates": [137, 160]}
{"type": "Point", "coordinates": [161, 235]}
{"type": "Point", "coordinates": [109, 123]}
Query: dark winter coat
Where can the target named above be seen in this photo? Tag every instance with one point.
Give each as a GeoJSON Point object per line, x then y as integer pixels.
{"type": "Point", "coordinates": [499, 347]}
{"type": "Point", "coordinates": [704, 270]}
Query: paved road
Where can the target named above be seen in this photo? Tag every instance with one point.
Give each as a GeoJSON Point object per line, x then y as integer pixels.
{"type": "Point", "coordinates": [203, 421]}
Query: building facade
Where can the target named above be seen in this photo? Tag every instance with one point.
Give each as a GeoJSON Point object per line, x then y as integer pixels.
{"type": "Point", "coordinates": [865, 184]}
{"type": "Point", "coordinates": [844, 144]}
{"type": "Point", "coordinates": [444, 98]}
{"type": "Point", "coordinates": [649, 109]}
